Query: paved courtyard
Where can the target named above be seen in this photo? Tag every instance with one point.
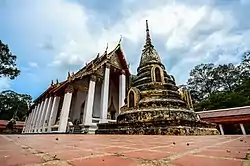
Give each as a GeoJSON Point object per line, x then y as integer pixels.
{"type": "Point", "coordinates": [123, 150]}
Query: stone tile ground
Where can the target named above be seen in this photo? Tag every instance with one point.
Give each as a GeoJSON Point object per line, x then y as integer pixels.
{"type": "Point", "coordinates": [123, 150]}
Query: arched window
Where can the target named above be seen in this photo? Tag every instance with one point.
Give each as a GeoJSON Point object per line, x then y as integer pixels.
{"type": "Point", "coordinates": [157, 75]}
{"type": "Point", "coordinates": [131, 99]}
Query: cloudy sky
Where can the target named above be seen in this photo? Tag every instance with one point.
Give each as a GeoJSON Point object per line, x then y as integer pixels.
{"type": "Point", "coordinates": [51, 37]}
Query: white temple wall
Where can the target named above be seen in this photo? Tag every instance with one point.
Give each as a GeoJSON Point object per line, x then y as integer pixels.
{"type": "Point", "coordinates": [97, 101]}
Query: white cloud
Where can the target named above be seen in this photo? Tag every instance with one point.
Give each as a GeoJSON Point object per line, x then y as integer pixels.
{"type": "Point", "coordinates": [190, 33]}
{"type": "Point", "coordinates": [33, 64]}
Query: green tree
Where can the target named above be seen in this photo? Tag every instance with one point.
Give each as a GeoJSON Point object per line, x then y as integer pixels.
{"type": "Point", "coordinates": [13, 104]}
{"type": "Point", "coordinates": [227, 76]}
{"type": "Point", "coordinates": [7, 62]}
{"type": "Point", "coordinates": [245, 65]}
{"type": "Point", "coordinates": [202, 82]}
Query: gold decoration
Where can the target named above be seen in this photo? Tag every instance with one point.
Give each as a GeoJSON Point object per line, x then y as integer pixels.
{"type": "Point", "coordinates": [69, 77]}
{"type": "Point", "coordinates": [115, 61]}
{"type": "Point", "coordinates": [81, 87]}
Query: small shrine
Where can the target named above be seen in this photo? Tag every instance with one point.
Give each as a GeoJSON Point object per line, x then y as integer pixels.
{"type": "Point", "coordinates": [155, 105]}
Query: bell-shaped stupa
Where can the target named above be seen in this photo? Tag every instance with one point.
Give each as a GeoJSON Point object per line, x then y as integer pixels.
{"type": "Point", "coordinates": [154, 104]}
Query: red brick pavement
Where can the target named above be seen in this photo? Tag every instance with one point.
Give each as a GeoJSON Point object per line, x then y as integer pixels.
{"type": "Point", "coordinates": [123, 150]}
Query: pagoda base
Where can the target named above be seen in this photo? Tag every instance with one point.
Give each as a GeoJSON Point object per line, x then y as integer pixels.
{"type": "Point", "coordinates": [163, 127]}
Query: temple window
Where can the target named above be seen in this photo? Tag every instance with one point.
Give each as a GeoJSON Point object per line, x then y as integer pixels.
{"type": "Point", "coordinates": [157, 75]}
{"type": "Point", "coordinates": [131, 99]}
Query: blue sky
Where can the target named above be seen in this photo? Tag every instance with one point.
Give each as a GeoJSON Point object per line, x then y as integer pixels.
{"type": "Point", "coordinates": [52, 37]}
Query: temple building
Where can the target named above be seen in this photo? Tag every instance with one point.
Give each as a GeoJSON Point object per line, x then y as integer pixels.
{"type": "Point", "coordinates": [154, 103]}
{"type": "Point", "coordinates": [92, 95]}
{"type": "Point", "coordinates": [229, 121]}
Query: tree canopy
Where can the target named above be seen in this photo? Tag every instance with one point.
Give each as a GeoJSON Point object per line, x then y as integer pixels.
{"type": "Point", "coordinates": [13, 104]}
{"type": "Point", "coordinates": [7, 62]}
{"type": "Point", "coordinates": [222, 86]}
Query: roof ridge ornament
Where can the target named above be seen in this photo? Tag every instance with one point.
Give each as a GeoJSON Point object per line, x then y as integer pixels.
{"type": "Point", "coordinates": [120, 41]}
{"type": "Point", "coordinates": [106, 51]}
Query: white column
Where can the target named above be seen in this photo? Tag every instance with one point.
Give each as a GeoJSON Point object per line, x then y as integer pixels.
{"type": "Point", "coordinates": [242, 129]}
{"type": "Point", "coordinates": [221, 129]}
{"type": "Point", "coordinates": [24, 129]}
{"type": "Point", "coordinates": [27, 125]}
{"type": "Point", "coordinates": [65, 109]}
{"type": "Point", "coordinates": [105, 95]}
{"type": "Point", "coordinates": [122, 89]}
{"type": "Point", "coordinates": [47, 113]}
{"type": "Point", "coordinates": [39, 117]}
{"type": "Point", "coordinates": [88, 110]}
{"type": "Point", "coordinates": [54, 110]}
{"type": "Point", "coordinates": [33, 121]}
{"type": "Point", "coordinates": [43, 114]}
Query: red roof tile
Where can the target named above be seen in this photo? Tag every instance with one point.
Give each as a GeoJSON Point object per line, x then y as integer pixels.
{"type": "Point", "coordinates": [225, 112]}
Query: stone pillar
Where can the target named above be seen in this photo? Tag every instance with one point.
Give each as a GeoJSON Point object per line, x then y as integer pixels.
{"type": "Point", "coordinates": [32, 119]}
{"type": "Point", "coordinates": [47, 113]}
{"type": "Point", "coordinates": [122, 89]}
{"type": "Point", "coordinates": [43, 114]}
{"type": "Point", "coordinates": [25, 129]}
{"type": "Point", "coordinates": [88, 110]}
{"type": "Point", "coordinates": [65, 109]}
{"type": "Point", "coordinates": [34, 116]}
{"type": "Point", "coordinates": [105, 95]}
{"type": "Point", "coordinates": [39, 117]}
{"type": "Point", "coordinates": [28, 122]}
{"type": "Point", "coordinates": [243, 129]}
{"type": "Point", "coordinates": [54, 110]}
{"type": "Point", "coordinates": [221, 129]}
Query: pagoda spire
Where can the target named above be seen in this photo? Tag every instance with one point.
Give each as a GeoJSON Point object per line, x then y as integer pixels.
{"type": "Point", "coordinates": [148, 39]}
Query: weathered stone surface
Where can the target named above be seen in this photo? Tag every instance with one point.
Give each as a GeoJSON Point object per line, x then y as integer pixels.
{"type": "Point", "coordinates": [154, 105]}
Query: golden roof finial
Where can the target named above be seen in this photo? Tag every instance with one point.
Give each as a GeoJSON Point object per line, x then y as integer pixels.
{"type": "Point", "coordinates": [106, 51]}
{"type": "Point", "coordinates": [120, 40]}
{"type": "Point", "coordinates": [98, 55]}
{"type": "Point", "coordinates": [69, 76]}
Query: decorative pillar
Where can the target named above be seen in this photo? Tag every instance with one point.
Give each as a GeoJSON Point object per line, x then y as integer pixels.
{"type": "Point", "coordinates": [122, 89]}
{"type": "Point", "coordinates": [88, 110]}
{"type": "Point", "coordinates": [65, 109]}
{"type": "Point", "coordinates": [39, 117]}
{"type": "Point", "coordinates": [242, 129]}
{"type": "Point", "coordinates": [105, 95]}
{"type": "Point", "coordinates": [47, 113]}
{"type": "Point", "coordinates": [54, 110]}
{"type": "Point", "coordinates": [221, 129]}
{"type": "Point", "coordinates": [43, 114]}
